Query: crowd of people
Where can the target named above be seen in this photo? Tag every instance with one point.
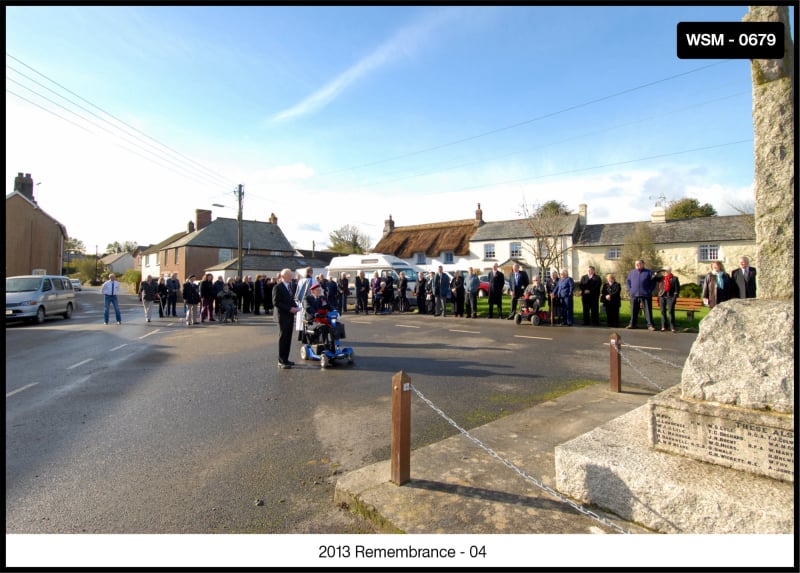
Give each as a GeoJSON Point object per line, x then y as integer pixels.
{"type": "Point", "coordinates": [556, 294]}
{"type": "Point", "coordinates": [286, 293]}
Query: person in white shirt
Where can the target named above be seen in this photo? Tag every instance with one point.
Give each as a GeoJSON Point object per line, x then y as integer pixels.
{"type": "Point", "coordinates": [110, 290]}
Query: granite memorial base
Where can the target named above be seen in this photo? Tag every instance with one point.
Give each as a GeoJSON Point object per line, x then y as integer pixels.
{"type": "Point", "coordinates": [614, 467]}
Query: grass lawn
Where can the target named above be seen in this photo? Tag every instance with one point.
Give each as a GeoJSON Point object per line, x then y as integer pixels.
{"type": "Point", "coordinates": [624, 314]}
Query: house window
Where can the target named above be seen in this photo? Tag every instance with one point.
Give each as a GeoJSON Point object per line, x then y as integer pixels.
{"type": "Point", "coordinates": [488, 252]}
{"type": "Point", "coordinates": [543, 250]}
{"type": "Point", "coordinates": [614, 253]}
{"type": "Point", "coordinates": [420, 258]}
{"type": "Point", "coordinates": [709, 252]}
{"type": "Point", "coordinates": [448, 257]}
{"type": "Point", "coordinates": [176, 255]}
{"type": "Point", "coordinates": [225, 255]}
{"type": "Point", "coordinates": [147, 260]}
{"type": "Point", "coordinates": [516, 250]}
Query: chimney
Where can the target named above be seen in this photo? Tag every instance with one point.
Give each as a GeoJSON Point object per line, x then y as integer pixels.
{"type": "Point", "coordinates": [273, 219]}
{"type": "Point", "coordinates": [24, 185]}
{"type": "Point", "coordinates": [388, 226]}
{"type": "Point", "coordinates": [659, 215]}
{"type": "Point", "coordinates": [202, 218]}
{"type": "Point", "coordinates": [479, 215]}
{"type": "Point", "coordinates": [582, 214]}
{"type": "Point", "coordinates": [190, 227]}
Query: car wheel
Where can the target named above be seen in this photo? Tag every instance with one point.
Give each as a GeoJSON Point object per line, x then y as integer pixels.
{"type": "Point", "coordinates": [536, 320]}
{"type": "Point", "coordinates": [324, 361]}
{"type": "Point", "coordinates": [68, 312]}
{"type": "Point", "coordinates": [304, 352]}
{"type": "Point", "coordinates": [39, 315]}
{"type": "Point", "coordinates": [518, 319]}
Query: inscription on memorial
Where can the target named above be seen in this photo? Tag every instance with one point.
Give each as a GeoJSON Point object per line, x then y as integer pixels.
{"type": "Point", "coordinates": [746, 446]}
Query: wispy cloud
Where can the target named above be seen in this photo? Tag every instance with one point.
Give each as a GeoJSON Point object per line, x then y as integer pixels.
{"type": "Point", "coordinates": [402, 44]}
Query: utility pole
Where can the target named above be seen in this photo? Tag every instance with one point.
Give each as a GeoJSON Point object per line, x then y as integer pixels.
{"type": "Point", "coordinates": [239, 220]}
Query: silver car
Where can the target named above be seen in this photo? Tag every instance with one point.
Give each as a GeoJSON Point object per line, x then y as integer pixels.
{"type": "Point", "coordinates": [35, 297]}
{"type": "Point", "coordinates": [76, 284]}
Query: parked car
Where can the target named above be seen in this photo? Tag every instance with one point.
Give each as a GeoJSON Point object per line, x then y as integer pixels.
{"type": "Point", "coordinates": [483, 289]}
{"type": "Point", "coordinates": [35, 297]}
{"type": "Point", "coordinates": [485, 278]}
{"type": "Point", "coordinates": [76, 284]}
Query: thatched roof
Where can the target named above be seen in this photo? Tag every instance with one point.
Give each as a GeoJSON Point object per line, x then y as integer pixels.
{"type": "Point", "coordinates": [431, 239]}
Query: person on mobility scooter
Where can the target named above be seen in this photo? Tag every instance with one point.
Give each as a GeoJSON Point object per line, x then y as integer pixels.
{"type": "Point", "coordinates": [322, 330]}
{"type": "Point", "coordinates": [533, 299]}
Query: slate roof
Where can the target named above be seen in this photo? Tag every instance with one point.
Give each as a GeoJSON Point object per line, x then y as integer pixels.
{"type": "Point", "coordinates": [696, 230]}
{"type": "Point", "coordinates": [323, 257]}
{"type": "Point", "coordinates": [518, 229]}
{"type": "Point", "coordinates": [223, 232]}
{"type": "Point", "coordinates": [112, 258]}
{"type": "Point", "coordinates": [153, 249]}
{"type": "Point", "coordinates": [431, 239]}
{"type": "Point", "coordinates": [269, 263]}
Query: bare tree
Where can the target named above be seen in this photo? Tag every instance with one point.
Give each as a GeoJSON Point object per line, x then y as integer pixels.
{"type": "Point", "coordinates": [349, 239]}
{"type": "Point", "coordinates": [547, 223]}
{"type": "Point", "coordinates": [637, 245]}
{"type": "Point", "coordinates": [747, 207]}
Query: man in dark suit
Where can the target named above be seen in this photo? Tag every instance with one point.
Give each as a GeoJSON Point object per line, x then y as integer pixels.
{"type": "Point", "coordinates": [517, 281]}
{"type": "Point", "coordinates": [590, 297]}
{"type": "Point", "coordinates": [744, 279]}
{"type": "Point", "coordinates": [283, 301]}
{"type": "Point", "coordinates": [497, 283]}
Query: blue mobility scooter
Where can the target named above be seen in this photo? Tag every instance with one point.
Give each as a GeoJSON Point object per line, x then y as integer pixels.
{"type": "Point", "coordinates": [321, 339]}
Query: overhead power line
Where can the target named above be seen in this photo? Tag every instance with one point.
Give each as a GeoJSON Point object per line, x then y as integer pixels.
{"type": "Point", "coordinates": [128, 130]}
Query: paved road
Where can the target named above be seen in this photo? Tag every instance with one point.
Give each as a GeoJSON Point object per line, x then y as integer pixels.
{"type": "Point", "coordinates": [159, 428]}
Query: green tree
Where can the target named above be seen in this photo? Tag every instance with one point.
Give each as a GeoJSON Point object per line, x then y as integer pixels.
{"type": "Point", "coordinates": [688, 208]}
{"type": "Point", "coordinates": [349, 239]}
{"type": "Point", "coordinates": [637, 245]}
{"type": "Point", "coordinates": [551, 208]}
{"type": "Point", "coordinates": [117, 247]}
{"type": "Point", "coordinates": [73, 245]}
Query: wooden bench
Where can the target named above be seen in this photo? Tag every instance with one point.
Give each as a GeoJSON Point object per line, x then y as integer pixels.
{"type": "Point", "coordinates": [689, 305]}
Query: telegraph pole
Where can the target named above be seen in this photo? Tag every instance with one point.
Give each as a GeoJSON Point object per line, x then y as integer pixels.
{"type": "Point", "coordinates": [239, 220]}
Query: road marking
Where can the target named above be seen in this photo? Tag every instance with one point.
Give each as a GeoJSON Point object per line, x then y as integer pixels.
{"type": "Point", "coordinates": [79, 363]}
{"type": "Point", "coordinates": [118, 347]}
{"type": "Point", "coordinates": [634, 346]}
{"type": "Point", "coordinates": [467, 331]}
{"type": "Point", "coordinates": [150, 333]}
{"type": "Point", "coordinates": [534, 337]}
{"type": "Point", "coordinates": [406, 326]}
{"type": "Point", "coordinates": [20, 389]}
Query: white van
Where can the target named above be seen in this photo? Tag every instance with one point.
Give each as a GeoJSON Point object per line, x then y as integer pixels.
{"type": "Point", "coordinates": [34, 297]}
{"type": "Point", "coordinates": [371, 263]}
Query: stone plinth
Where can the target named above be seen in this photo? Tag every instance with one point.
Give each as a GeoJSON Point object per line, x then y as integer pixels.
{"type": "Point", "coordinates": [750, 440]}
{"type": "Point", "coordinates": [613, 467]}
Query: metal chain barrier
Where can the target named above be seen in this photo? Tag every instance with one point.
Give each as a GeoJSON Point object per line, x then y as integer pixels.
{"type": "Point", "coordinates": [520, 471]}
{"type": "Point", "coordinates": [639, 372]}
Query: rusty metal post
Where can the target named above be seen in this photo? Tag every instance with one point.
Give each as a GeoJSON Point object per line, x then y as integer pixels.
{"type": "Point", "coordinates": [401, 428]}
{"type": "Point", "coordinates": [615, 345]}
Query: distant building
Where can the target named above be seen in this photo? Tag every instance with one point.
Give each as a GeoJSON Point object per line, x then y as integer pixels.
{"type": "Point", "coordinates": [212, 246]}
{"type": "Point", "coordinates": [34, 240]}
{"type": "Point", "coordinates": [117, 263]}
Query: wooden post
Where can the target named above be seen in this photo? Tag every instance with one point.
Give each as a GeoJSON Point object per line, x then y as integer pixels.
{"type": "Point", "coordinates": [401, 428]}
{"type": "Point", "coordinates": [614, 345]}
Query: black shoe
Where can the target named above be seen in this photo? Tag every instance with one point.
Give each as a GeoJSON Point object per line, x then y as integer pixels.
{"type": "Point", "coordinates": [289, 362]}
{"type": "Point", "coordinates": [284, 366]}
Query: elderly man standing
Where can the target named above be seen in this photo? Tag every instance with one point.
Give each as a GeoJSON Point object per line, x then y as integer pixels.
{"type": "Point", "coordinates": [283, 301]}
{"type": "Point", "coordinates": [640, 285]}
{"type": "Point", "coordinates": [518, 281]}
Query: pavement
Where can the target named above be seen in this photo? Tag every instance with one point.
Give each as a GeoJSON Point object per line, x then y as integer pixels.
{"type": "Point", "coordinates": [457, 487]}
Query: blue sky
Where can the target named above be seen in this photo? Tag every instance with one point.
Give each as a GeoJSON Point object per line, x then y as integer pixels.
{"type": "Point", "coordinates": [346, 115]}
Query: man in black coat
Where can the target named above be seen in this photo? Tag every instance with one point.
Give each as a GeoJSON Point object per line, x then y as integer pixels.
{"type": "Point", "coordinates": [744, 279]}
{"type": "Point", "coordinates": [590, 286]}
{"type": "Point", "coordinates": [518, 280]}
{"type": "Point", "coordinates": [283, 301]}
{"type": "Point", "coordinates": [497, 283]}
